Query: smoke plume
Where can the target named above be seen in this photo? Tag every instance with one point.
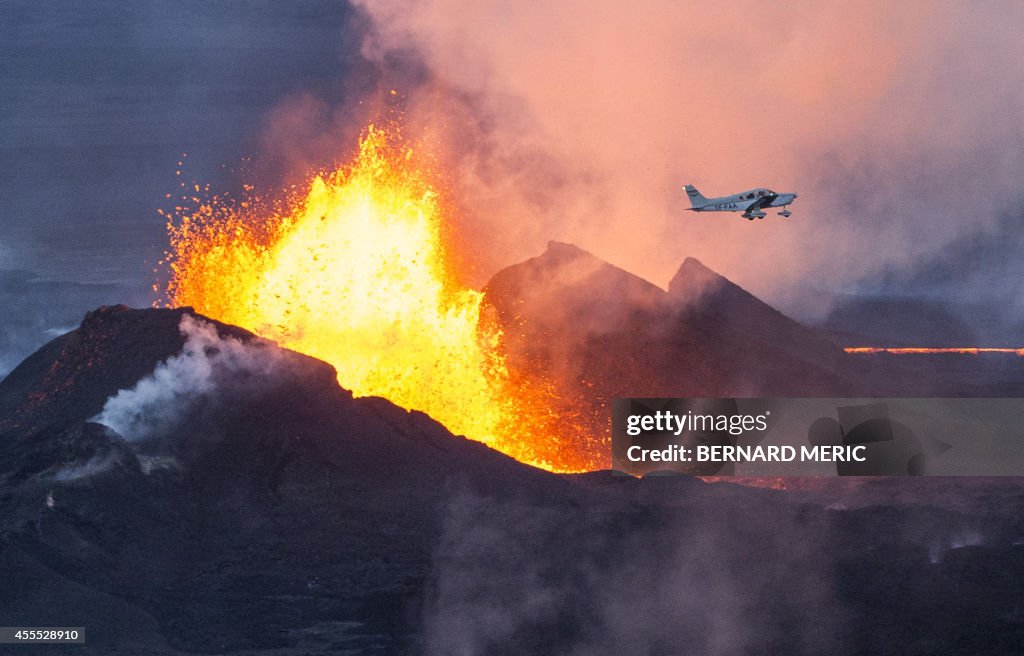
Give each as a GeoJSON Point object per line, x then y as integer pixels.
{"type": "Point", "coordinates": [898, 125]}
{"type": "Point", "coordinates": [515, 578]}
{"type": "Point", "coordinates": [161, 401]}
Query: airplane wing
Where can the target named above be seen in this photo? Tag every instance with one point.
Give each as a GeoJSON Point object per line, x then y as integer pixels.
{"type": "Point", "coordinates": [755, 209]}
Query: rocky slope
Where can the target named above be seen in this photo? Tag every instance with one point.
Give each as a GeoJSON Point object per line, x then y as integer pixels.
{"type": "Point", "coordinates": [272, 513]}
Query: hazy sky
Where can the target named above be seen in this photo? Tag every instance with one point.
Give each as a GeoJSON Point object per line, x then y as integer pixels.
{"type": "Point", "coordinates": [99, 100]}
{"type": "Point", "coordinates": [900, 125]}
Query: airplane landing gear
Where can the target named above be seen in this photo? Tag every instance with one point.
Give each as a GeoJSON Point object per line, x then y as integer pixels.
{"type": "Point", "coordinates": [785, 212]}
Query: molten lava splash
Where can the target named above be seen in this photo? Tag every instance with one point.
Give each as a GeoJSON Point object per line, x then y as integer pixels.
{"type": "Point", "coordinates": [355, 273]}
{"type": "Point", "coordinates": [920, 350]}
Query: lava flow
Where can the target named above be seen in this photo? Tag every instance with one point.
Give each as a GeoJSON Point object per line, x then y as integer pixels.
{"type": "Point", "coordinates": [921, 350]}
{"type": "Point", "coordinates": [355, 272]}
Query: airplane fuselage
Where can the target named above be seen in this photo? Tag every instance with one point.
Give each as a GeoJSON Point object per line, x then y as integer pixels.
{"type": "Point", "coordinates": [750, 202]}
{"type": "Point", "coordinates": [743, 202]}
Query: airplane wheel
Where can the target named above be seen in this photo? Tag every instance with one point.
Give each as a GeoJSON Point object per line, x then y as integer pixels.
{"type": "Point", "coordinates": [750, 218]}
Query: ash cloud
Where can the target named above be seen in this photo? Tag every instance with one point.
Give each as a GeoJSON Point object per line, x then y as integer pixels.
{"type": "Point", "coordinates": [686, 568]}
{"type": "Point", "coordinates": [515, 578]}
{"type": "Point", "coordinates": [898, 125]}
{"type": "Point", "coordinates": [208, 365]}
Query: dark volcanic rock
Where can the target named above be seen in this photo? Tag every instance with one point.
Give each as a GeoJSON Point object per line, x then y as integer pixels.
{"type": "Point", "coordinates": [270, 507]}
{"type": "Point", "coordinates": [598, 332]}
{"type": "Point", "coordinates": [279, 515]}
{"type": "Point", "coordinates": [73, 375]}
{"type": "Point", "coordinates": [726, 308]}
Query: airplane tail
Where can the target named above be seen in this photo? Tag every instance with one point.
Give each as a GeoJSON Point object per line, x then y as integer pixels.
{"type": "Point", "coordinates": [696, 198]}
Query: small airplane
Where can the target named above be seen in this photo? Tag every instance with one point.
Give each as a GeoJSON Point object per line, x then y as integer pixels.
{"type": "Point", "coordinates": [749, 202]}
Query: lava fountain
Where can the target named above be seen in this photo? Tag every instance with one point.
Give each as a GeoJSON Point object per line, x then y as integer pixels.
{"type": "Point", "coordinates": [355, 272]}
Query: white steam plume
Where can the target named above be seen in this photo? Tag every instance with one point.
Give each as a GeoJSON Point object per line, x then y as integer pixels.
{"type": "Point", "coordinates": [161, 400]}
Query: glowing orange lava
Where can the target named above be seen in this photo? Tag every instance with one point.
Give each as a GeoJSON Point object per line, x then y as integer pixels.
{"type": "Point", "coordinates": [917, 350]}
{"type": "Point", "coordinates": [355, 272]}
